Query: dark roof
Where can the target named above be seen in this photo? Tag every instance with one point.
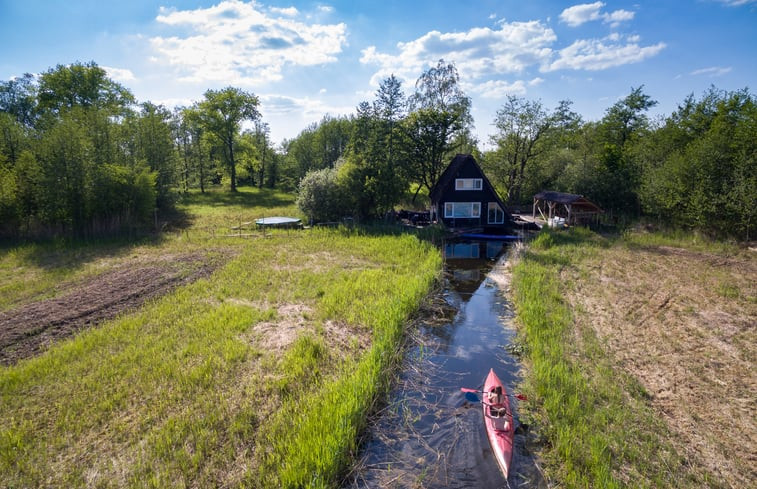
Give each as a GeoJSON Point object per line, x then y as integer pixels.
{"type": "Point", "coordinates": [565, 198]}
{"type": "Point", "coordinates": [449, 174]}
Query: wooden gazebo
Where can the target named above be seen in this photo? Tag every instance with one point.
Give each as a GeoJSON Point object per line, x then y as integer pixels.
{"type": "Point", "coordinates": [574, 209]}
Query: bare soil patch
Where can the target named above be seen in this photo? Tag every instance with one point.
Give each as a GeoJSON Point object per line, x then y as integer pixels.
{"type": "Point", "coordinates": [684, 324]}
{"type": "Point", "coordinates": [30, 329]}
{"type": "Point", "coordinates": [292, 319]}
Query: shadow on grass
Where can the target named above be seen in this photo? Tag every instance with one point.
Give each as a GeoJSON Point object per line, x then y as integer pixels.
{"type": "Point", "coordinates": [245, 197]}
{"type": "Point", "coordinates": [62, 253]}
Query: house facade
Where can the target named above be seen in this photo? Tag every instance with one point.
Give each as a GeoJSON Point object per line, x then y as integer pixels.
{"type": "Point", "coordinates": [463, 198]}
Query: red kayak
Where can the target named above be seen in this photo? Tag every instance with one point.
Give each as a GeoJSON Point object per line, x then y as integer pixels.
{"type": "Point", "coordinates": [500, 426]}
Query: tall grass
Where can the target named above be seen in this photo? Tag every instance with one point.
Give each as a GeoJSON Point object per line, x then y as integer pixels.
{"type": "Point", "coordinates": [184, 392]}
{"type": "Point", "coordinates": [598, 427]}
{"type": "Point", "coordinates": [312, 439]}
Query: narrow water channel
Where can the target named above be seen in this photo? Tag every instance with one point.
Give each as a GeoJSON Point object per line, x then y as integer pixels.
{"type": "Point", "coordinates": [429, 435]}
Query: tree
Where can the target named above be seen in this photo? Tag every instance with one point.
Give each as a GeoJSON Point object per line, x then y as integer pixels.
{"type": "Point", "coordinates": [627, 117]}
{"type": "Point", "coordinates": [18, 97]}
{"type": "Point", "coordinates": [195, 149]}
{"type": "Point", "coordinates": [261, 134]}
{"type": "Point", "coordinates": [81, 85]}
{"type": "Point", "coordinates": [439, 112]}
{"type": "Point", "coordinates": [700, 167]}
{"type": "Point", "coordinates": [221, 114]}
{"type": "Point", "coordinates": [522, 128]}
{"type": "Point", "coordinates": [390, 107]}
{"type": "Point", "coordinates": [155, 147]}
{"type": "Point", "coordinates": [619, 174]}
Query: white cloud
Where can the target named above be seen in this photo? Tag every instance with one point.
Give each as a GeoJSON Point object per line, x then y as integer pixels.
{"type": "Point", "coordinates": [735, 3]}
{"type": "Point", "coordinates": [586, 12]}
{"type": "Point", "coordinates": [288, 11]}
{"type": "Point", "coordinates": [579, 14]}
{"type": "Point", "coordinates": [618, 16]}
{"type": "Point", "coordinates": [119, 74]}
{"type": "Point", "coordinates": [712, 71]}
{"type": "Point", "coordinates": [283, 105]}
{"type": "Point", "coordinates": [498, 89]}
{"type": "Point", "coordinates": [477, 53]}
{"type": "Point", "coordinates": [239, 43]}
{"type": "Point", "coordinates": [326, 8]}
{"type": "Point", "coordinates": [483, 55]}
{"type": "Point", "coordinates": [174, 102]}
{"type": "Point", "coordinates": [595, 54]}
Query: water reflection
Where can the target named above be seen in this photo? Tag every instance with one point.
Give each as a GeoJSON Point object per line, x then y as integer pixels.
{"type": "Point", "coordinates": [429, 435]}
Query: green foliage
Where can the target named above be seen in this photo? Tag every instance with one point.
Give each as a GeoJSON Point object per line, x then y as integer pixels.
{"type": "Point", "coordinates": [701, 166]}
{"type": "Point", "coordinates": [320, 196]}
{"type": "Point", "coordinates": [18, 98]}
{"type": "Point", "coordinates": [523, 133]}
{"type": "Point", "coordinates": [439, 117]}
{"type": "Point", "coordinates": [318, 146]}
{"type": "Point", "coordinates": [221, 114]}
{"type": "Point", "coordinates": [81, 85]}
{"type": "Point", "coordinates": [380, 300]}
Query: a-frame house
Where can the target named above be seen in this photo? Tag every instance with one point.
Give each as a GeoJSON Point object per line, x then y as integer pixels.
{"type": "Point", "coordinates": [464, 199]}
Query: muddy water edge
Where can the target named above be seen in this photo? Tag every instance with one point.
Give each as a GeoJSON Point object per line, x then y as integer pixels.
{"type": "Point", "coordinates": [428, 435]}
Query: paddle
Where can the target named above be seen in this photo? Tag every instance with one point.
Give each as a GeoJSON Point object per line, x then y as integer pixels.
{"type": "Point", "coordinates": [518, 396]}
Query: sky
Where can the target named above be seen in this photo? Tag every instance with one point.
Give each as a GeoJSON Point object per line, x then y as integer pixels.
{"type": "Point", "coordinates": [307, 59]}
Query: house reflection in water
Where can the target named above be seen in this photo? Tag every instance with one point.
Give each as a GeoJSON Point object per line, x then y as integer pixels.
{"type": "Point", "coordinates": [468, 262]}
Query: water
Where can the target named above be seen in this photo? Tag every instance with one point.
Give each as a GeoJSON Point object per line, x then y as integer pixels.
{"type": "Point", "coordinates": [429, 435]}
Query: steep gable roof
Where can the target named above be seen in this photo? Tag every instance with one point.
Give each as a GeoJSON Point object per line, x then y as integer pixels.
{"type": "Point", "coordinates": [448, 175]}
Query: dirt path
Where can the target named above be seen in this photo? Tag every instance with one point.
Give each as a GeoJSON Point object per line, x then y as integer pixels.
{"type": "Point", "coordinates": [685, 324]}
{"type": "Point", "coordinates": [28, 330]}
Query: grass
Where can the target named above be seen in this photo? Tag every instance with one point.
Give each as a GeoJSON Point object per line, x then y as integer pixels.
{"type": "Point", "coordinates": [679, 239]}
{"type": "Point", "coordinates": [186, 391]}
{"type": "Point", "coordinates": [598, 427]}
{"type": "Point", "coordinates": [35, 271]}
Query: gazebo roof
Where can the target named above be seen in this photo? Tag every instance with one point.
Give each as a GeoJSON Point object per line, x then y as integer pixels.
{"type": "Point", "coordinates": [565, 198]}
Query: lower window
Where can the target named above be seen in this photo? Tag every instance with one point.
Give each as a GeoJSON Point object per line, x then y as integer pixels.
{"type": "Point", "coordinates": [462, 210]}
{"type": "Point", "coordinates": [496, 214]}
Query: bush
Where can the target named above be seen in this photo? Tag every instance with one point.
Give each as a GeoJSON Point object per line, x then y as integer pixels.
{"type": "Point", "coordinates": [320, 196]}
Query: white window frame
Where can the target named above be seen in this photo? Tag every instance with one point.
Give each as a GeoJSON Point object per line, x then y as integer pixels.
{"type": "Point", "coordinates": [496, 207]}
{"type": "Point", "coordinates": [462, 210]}
{"type": "Point", "coordinates": [469, 184]}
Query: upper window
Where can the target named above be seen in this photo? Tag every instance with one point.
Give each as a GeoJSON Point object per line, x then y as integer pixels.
{"type": "Point", "coordinates": [468, 184]}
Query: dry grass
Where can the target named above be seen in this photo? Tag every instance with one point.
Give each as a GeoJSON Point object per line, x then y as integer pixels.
{"type": "Point", "coordinates": [683, 323]}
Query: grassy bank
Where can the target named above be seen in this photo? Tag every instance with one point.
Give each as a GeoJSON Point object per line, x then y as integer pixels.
{"type": "Point", "coordinates": [590, 328]}
{"type": "Point", "coordinates": [257, 375]}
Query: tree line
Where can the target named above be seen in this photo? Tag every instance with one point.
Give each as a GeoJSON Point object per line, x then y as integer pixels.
{"type": "Point", "coordinates": [695, 169]}
{"type": "Point", "coordinates": [79, 156]}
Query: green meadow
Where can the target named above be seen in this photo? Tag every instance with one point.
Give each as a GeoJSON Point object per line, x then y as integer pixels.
{"type": "Point", "coordinates": [259, 374]}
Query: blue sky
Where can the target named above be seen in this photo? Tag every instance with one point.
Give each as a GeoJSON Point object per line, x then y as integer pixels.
{"type": "Point", "coordinates": [306, 59]}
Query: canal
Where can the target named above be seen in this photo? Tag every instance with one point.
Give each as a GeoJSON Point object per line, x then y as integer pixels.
{"type": "Point", "coordinates": [428, 435]}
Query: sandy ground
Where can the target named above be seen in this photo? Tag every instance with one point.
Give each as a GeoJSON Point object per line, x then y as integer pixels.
{"type": "Point", "coordinates": [685, 325]}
